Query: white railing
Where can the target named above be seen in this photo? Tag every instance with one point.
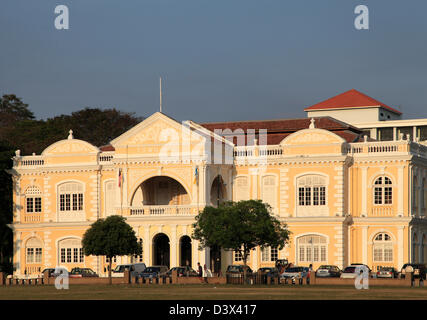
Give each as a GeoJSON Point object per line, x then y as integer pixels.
{"type": "Point", "coordinates": [31, 161]}
{"type": "Point", "coordinates": [382, 212]}
{"type": "Point", "coordinates": [163, 210]}
{"type": "Point", "coordinates": [32, 217]}
{"type": "Point", "coordinates": [257, 151]}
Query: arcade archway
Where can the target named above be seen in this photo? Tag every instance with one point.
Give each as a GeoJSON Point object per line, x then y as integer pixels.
{"type": "Point", "coordinates": [161, 250]}
{"type": "Point", "coordinates": [185, 251]}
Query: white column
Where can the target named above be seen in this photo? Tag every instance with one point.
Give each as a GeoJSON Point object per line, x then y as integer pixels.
{"type": "Point", "coordinates": [147, 245]}
{"type": "Point", "coordinates": [364, 190]}
{"type": "Point", "coordinates": [207, 258]}
{"type": "Point", "coordinates": [18, 253]}
{"type": "Point", "coordinates": [254, 173]}
{"type": "Point", "coordinates": [195, 253]}
{"type": "Point", "coordinates": [365, 245]}
{"type": "Point", "coordinates": [173, 241]}
{"type": "Point", "coordinates": [255, 258]}
{"type": "Point", "coordinates": [125, 188]}
{"type": "Point", "coordinates": [400, 191]}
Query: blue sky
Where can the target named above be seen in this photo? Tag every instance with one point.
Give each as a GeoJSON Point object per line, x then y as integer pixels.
{"type": "Point", "coordinates": [220, 59]}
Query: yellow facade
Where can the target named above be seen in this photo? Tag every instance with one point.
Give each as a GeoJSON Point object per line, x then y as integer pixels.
{"type": "Point", "coordinates": [343, 202]}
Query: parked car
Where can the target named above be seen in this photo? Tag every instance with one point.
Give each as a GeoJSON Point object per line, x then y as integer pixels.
{"type": "Point", "coordinates": [350, 271]}
{"type": "Point", "coordinates": [52, 272]}
{"type": "Point", "coordinates": [269, 271]}
{"type": "Point", "coordinates": [295, 272]}
{"type": "Point", "coordinates": [418, 269]}
{"type": "Point", "coordinates": [387, 272]}
{"type": "Point", "coordinates": [154, 272]}
{"type": "Point", "coordinates": [82, 272]}
{"type": "Point", "coordinates": [186, 271]}
{"type": "Point", "coordinates": [237, 270]}
{"type": "Point", "coordinates": [328, 271]}
{"type": "Point", "coordinates": [135, 269]}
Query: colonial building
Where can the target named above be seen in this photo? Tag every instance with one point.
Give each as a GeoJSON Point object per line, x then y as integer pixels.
{"type": "Point", "coordinates": [344, 197]}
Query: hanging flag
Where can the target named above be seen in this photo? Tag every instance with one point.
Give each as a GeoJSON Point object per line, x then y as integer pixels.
{"type": "Point", "coordinates": [196, 175]}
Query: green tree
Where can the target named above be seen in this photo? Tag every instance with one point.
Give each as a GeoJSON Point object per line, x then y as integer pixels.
{"type": "Point", "coordinates": [110, 237]}
{"type": "Point", "coordinates": [240, 226]}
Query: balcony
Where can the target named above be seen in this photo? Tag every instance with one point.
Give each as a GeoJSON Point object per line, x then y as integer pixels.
{"type": "Point", "coordinates": [163, 210]}
{"type": "Point", "coordinates": [383, 211]}
{"type": "Point", "coordinates": [32, 217]}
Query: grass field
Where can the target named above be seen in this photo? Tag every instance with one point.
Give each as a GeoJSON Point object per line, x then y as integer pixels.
{"type": "Point", "coordinates": [207, 292]}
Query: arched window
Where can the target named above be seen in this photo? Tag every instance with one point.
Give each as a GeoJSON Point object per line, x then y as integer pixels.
{"type": "Point", "coordinates": [241, 188]}
{"type": "Point", "coordinates": [33, 251]}
{"type": "Point", "coordinates": [70, 196]}
{"type": "Point", "coordinates": [70, 251]}
{"type": "Point", "coordinates": [383, 248]}
{"type": "Point", "coordinates": [269, 191]}
{"type": "Point", "coordinates": [383, 191]}
{"type": "Point", "coordinates": [312, 248]}
{"type": "Point", "coordinates": [311, 191]}
{"type": "Point", "coordinates": [33, 199]}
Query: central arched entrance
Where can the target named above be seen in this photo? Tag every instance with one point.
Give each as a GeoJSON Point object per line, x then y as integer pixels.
{"type": "Point", "coordinates": [185, 251]}
{"type": "Point", "coordinates": [161, 250]}
{"type": "Point", "coordinates": [218, 192]}
{"type": "Point", "coordinates": [160, 191]}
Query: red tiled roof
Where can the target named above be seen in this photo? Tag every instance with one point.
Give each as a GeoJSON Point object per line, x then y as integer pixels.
{"type": "Point", "coordinates": [277, 130]}
{"type": "Point", "coordinates": [350, 99]}
{"type": "Point", "coordinates": [107, 147]}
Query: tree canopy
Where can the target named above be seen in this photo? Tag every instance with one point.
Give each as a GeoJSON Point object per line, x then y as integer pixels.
{"type": "Point", "coordinates": [110, 237]}
{"type": "Point", "coordinates": [20, 130]}
{"type": "Point", "coordinates": [240, 226]}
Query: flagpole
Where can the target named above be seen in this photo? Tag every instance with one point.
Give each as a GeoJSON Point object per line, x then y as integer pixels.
{"type": "Point", "coordinates": [160, 94]}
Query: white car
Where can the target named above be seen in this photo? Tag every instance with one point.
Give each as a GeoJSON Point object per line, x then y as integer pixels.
{"type": "Point", "coordinates": [135, 269]}
{"type": "Point", "coordinates": [295, 272]}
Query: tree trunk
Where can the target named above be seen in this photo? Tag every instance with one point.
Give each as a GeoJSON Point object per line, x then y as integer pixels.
{"type": "Point", "coordinates": [109, 270]}
{"type": "Point", "coordinates": [245, 257]}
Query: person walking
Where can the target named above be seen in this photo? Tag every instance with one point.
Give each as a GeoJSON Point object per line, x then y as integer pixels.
{"type": "Point", "coordinates": [199, 270]}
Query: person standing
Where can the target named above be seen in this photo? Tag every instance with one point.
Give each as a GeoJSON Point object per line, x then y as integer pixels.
{"type": "Point", "coordinates": [199, 269]}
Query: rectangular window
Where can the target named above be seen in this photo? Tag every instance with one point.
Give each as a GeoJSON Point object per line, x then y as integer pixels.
{"type": "Point", "coordinates": [385, 134]}
{"type": "Point", "coordinates": [38, 204]}
{"type": "Point", "coordinates": [301, 253]}
{"type": "Point", "coordinates": [38, 255]}
{"type": "Point", "coordinates": [323, 253]}
{"type": "Point", "coordinates": [322, 196]}
{"type": "Point", "coordinates": [378, 195]}
{"type": "Point", "coordinates": [316, 254]}
{"type": "Point", "coordinates": [237, 256]}
{"type": "Point", "coordinates": [80, 206]}
{"type": "Point", "coordinates": [265, 254]}
{"type": "Point", "coordinates": [30, 255]}
{"type": "Point", "coordinates": [307, 196]}
{"type": "Point", "coordinates": [63, 255]}
{"type": "Point", "coordinates": [76, 255]}
{"type": "Point", "coordinates": [30, 205]}
{"type": "Point", "coordinates": [274, 254]}
{"type": "Point", "coordinates": [405, 131]}
{"type": "Point", "coordinates": [388, 195]}
{"type": "Point", "coordinates": [308, 254]}
{"type": "Point", "coordinates": [301, 196]}
{"type": "Point", "coordinates": [62, 202]}
{"type": "Point", "coordinates": [422, 133]}
{"type": "Point", "coordinates": [82, 257]}
{"type": "Point", "coordinates": [67, 202]}
{"type": "Point", "coordinates": [74, 202]}
{"type": "Point", "coordinates": [69, 255]}
{"type": "Point", "coordinates": [388, 254]}
{"type": "Point", "coordinates": [316, 196]}
{"type": "Point", "coordinates": [378, 254]}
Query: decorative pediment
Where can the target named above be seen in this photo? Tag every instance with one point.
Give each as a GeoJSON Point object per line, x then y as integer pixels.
{"type": "Point", "coordinates": [158, 129]}
{"type": "Point", "coordinates": [70, 146]}
{"type": "Point", "coordinates": [312, 136]}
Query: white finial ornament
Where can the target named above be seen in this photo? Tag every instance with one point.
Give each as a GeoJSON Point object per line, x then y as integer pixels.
{"type": "Point", "coordinates": [70, 136]}
{"type": "Point", "coordinates": [312, 126]}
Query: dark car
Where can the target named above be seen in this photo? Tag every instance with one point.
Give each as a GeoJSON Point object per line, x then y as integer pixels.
{"type": "Point", "coordinates": [328, 271]}
{"type": "Point", "coordinates": [154, 272]}
{"type": "Point", "coordinates": [237, 270]}
{"type": "Point", "coordinates": [82, 273]}
{"type": "Point", "coordinates": [387, 272]}
{"type": "Point", "coordinates": [186, 271]}
{"type": "Point", "coordinates": [418, 269]}
{"type": "Point", "coordinates": [269, 271]}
